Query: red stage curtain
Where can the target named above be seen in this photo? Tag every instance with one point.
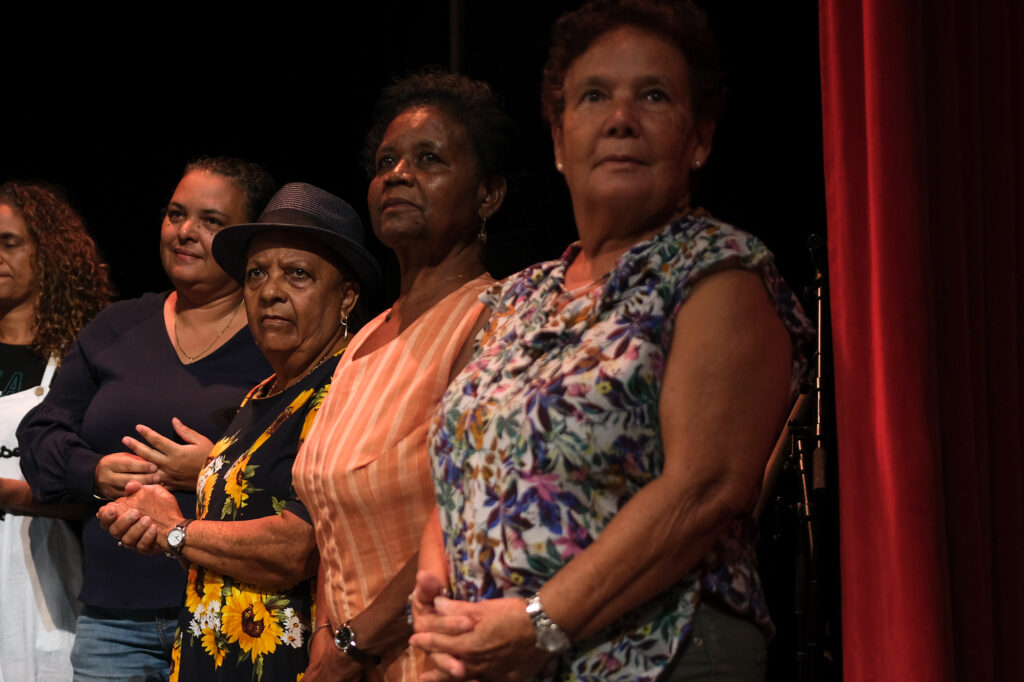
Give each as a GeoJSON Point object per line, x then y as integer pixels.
{"type": "Point", "coordinates": [923, 105]}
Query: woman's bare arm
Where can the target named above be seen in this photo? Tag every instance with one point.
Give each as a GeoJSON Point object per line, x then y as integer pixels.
{"type": "Point", "coordinates": [270, 551]}
{"type": "Point", "coordinates": [723, 398]}
{"type": "Point", "coordinates": [16, 498]}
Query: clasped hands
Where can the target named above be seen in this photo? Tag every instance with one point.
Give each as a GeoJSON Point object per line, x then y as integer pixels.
{"type": "Point", "coordinates": [142, 518]}
{"type": "Point", "coordinates": [146, 510]}
{"type": "Point", "coordinates": [158, 460]}
{"type": "Point", "coordinates": [492, 639]}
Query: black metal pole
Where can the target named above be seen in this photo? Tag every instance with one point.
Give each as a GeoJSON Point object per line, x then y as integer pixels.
{"type": "Point", "coordinates": [456, 21]}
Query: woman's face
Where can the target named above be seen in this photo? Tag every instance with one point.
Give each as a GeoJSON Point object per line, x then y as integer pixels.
{"type": "Point", "coordinates": [203, 204]}
{"type": "Point", "coordinates": [295, 297]}
{"type": "Point", "coordinates": [17, 260]}
{"type": "Point", "coordinates": [427, 186]}
{"type": "Point", "coordinates": [627, 136]}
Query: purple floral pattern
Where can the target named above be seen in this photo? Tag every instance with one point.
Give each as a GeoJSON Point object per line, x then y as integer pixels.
{"type": "Point", "coordinates": [553, 427]}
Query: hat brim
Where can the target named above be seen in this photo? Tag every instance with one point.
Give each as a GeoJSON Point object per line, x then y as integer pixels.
{"type": "Point", "coordinates": [231, 250]}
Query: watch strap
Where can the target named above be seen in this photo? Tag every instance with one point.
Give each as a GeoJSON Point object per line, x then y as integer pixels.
{"type": "Point", "coordinates": [550, 636]}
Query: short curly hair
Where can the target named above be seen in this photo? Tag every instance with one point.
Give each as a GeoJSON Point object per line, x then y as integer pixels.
{"type": "Point", "coordinates": [492, 133]}
{"type": "Point", "coordinates": [71, 279]}
{"type": "Point", "coordinates": [682, 24]}
{"type": "Point", "coordinates": [252, 178]}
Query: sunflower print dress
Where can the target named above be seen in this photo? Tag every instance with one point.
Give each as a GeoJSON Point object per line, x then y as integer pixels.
{"type": "Point", "coordinates": [227, 629]}
{"type": "Point", "coordinates": [553, 427]}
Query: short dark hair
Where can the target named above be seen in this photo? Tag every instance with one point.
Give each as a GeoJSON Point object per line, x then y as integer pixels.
{"type": "Point", "coordinates": [492, 133]}
{"type": "Point", "coordinates": [252, 178]}
{"type": "Point", "coordinates": [681, 23]}
{"type": "Point", "coordinates": [70, 277]}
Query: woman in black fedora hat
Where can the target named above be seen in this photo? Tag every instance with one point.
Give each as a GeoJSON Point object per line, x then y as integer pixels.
{"type": "Point", "coordinates": [251, 552]}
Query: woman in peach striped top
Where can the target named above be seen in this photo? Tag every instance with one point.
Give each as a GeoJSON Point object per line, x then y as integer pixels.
{"type": "Point", "coordinates": [440, 149]}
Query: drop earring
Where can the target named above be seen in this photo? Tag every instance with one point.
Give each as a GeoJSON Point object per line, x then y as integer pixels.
{"type": "Point", "coordinates": [344, 325]}
{"type": "Point", "coordinates": [482, 234]}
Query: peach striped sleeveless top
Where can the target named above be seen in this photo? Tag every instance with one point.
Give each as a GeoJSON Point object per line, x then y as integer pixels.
{"type": "Point", "coordinates": [363, 471]}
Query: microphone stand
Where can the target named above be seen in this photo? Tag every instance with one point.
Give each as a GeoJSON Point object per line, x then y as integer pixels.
{"type": "Point", "coordinates": [812, 459]}
{"type": "Point", "coordinates": [807, 437]}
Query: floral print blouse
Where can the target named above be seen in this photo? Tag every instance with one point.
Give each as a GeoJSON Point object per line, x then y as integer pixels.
{"type": "Point", "coordinates": [553, 427]}
{"type": "Point", "coordinates": [230, 630]}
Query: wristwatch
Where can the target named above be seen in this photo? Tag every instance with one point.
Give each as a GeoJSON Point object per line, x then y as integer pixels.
{"type": "Point", "coordinates": [345, 640]}
{"type": "Point", "coordinates": [176, 537]}
{"type": "Point", "coordinates": [550, 636]}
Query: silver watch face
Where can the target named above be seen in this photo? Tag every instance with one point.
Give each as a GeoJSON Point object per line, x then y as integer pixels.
{"type": "Point", "coordinates": [175, 537]}
{"type": "Point", "coordinates": [343, 639]}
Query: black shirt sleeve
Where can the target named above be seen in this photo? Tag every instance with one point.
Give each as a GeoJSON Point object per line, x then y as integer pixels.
{"type": "Point", "coordinates": [57, 463]}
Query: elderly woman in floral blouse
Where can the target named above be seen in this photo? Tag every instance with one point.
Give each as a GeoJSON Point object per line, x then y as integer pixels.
{"type": "Point", "coordinates": [596, 461]}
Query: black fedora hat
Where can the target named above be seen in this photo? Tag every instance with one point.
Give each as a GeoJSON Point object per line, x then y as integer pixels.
{"type": "Point", "coordinates": [305, 209]}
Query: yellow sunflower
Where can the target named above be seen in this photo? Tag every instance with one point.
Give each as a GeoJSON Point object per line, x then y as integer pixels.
{"type": "Point", "coordinates": [212, 645]}
{"type": "Point", "coordinates": [203, 587]}
{"type": "Point", "coordinates": [220, 446]}
{"type": "Point", "coordinates": [235, 483]}
{"type": "Point", "coordinates": [176, 657]}
{"type": "Point", "coordinates": [314, 409]}
{"type": "Point", "coordinates": [208, 475]}
{"type": "Point", "coordinates": [247, 621]}
{"type": "Point", "coordinates": [206, 484]}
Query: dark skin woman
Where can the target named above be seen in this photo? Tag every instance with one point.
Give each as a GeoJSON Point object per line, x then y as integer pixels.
{"type": "Point", "coordinates": [438, 155]}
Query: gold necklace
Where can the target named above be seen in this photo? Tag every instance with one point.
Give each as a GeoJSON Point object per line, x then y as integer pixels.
{"type": "Point", "coordinates": [273, 387]}
{"type": "Point", "coordinates": [193, 358]}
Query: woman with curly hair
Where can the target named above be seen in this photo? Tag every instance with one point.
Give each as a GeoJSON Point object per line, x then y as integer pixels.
{"type": "Point", "coordinates": [52, 282]}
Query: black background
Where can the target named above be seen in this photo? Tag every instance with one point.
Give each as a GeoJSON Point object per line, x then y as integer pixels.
{"type": "Point", "coordinates": [112, 107]}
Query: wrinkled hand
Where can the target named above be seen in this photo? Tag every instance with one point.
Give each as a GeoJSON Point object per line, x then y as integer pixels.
{"type": "Point", "coordinates": [428, 588]}
{"type": "Point", "coordinates": [492, 639]}
{"type": "Point", "coordinates": [327, 663]}
{"type": "Point", "coordinates": [114, 471]}
{"type": "Point", "coordinates": [178, 464]}
{"type": "Point", "coordinates": [142, 520]}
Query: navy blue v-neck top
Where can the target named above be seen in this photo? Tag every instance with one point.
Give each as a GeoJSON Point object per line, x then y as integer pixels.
{"type": "Point", "coordinates": [122, 371]}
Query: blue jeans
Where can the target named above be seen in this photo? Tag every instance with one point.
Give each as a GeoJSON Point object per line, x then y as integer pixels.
{"type": "Point", "coordinates": [124, 645]}
{"type": "Point", "coordinates": [722, 647]}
